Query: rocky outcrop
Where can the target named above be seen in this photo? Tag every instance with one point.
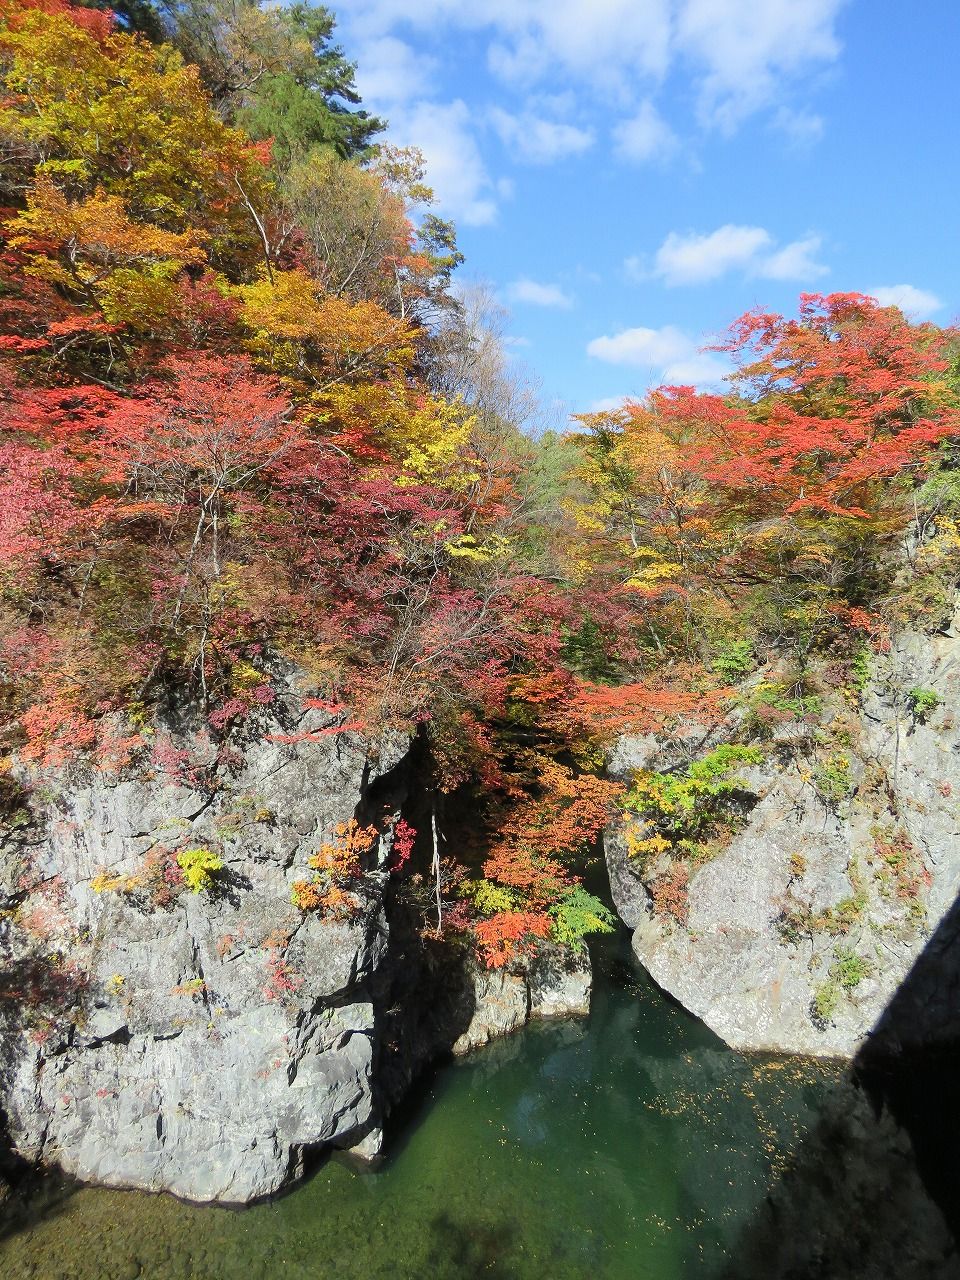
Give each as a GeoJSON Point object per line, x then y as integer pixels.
{"type": "Point", "coordinates": [203, 1042]}
{"type": "Point", "coordinates": [193, 1042]}
{"type": "Point", "coordinates": [551, 987]}
{"type": "Point", "coordinates": [801, 928]}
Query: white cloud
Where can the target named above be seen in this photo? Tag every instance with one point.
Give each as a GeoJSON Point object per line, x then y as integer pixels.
{"type": "Point", "coordinates": [803, 128]}
{"type": "Point", "coordinates": [669, 354]}
{"type": "Point", "coordinates": [539, 295]}
{"type": "Point", "coordinates": [795, 261]}
{"type": "Point", "coordinates": [916, 303]}
{"type": "Point", "coordinates": [389, 72]}
{"type": "Point", "coordinates": [644, 348]}
{"type": "Point", "coordinates": [619, 38]}
{"type": "Point", "coordinates": [747, 51]}
{"type": "Point", "coordinates": [702, 370]}
{"type": "Point", "coordinates": [528, 35]}
{"type": "Point", "coordinates": [538, 140]}
{"type": "Point", "coordinates": [644, 136]}
{"type": "Point", "coordinates": [455, 168]}
{"type": "Point", "coordinates": [606, 404]}
{"type": "Point", "coordinates": [744, 55]}
{"type": "Point", "coordinates": [695, 258]}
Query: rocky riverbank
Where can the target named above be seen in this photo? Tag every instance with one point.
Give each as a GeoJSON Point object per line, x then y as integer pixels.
{"type": "Point", "coordinates": [203, 1042]}
{"type": "Point", "coordinates": [799, 929]}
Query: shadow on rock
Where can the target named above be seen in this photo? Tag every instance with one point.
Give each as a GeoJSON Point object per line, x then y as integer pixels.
{"type": "Point", "coordinates": [874, 1190]}
{"type": "Point", "coordinates": [36, 993]}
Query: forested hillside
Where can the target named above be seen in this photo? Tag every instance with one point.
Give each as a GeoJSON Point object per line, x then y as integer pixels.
{"type": "Point", "coordinates": [249, 425]}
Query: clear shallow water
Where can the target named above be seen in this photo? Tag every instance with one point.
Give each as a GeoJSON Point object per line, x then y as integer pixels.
{"type": "Point", "coordinates": [632, 1145]}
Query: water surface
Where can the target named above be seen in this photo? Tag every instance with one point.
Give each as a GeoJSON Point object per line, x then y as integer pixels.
{"type": "Point", "coordinates": [630, 1145]}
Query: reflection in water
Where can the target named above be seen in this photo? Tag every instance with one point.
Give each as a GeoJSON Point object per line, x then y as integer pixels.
{"type": "Point", "coordinates": [631, 1146]}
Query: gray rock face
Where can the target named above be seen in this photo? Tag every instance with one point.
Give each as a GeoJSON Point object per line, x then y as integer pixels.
{"type": "Point", "coordinates": [200, 1043]}
{"type": "Point", "coordinates": [801, 929]}
{"type": "Point", "coordinates": [204, 1039]}
{"type": "Point", "coordinates": [504, 1002]}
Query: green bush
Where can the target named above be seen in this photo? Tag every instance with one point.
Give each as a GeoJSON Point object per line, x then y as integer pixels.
{"type": "Point", "coordinates": [826, 998]}
{"type": "Point", "coordinates": [576, 915]}
{"type": "Point", "coordinates": [922, 703]}
{"type": "Point", "coordinates": [687, 805]}
{"type": "Point", "coordinates": [734, 661]}
{"type": "Point", "coordinates": [681, 812]}
{"type": "Point", "coordinates": [832, 779]}
{"type": "Point", "coordinates": [860, 669]}
{"type": "Point", "coordinates": [849, 969]}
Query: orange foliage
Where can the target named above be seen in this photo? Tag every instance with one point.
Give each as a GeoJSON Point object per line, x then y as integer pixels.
{"type": "Point", "coordinates": [344, 856]}
{"type": "Point", "coordinates": [509, 935]}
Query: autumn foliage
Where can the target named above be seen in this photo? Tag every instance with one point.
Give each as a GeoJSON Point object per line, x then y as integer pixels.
{"type": "Point", "coordinates": [228, 443]}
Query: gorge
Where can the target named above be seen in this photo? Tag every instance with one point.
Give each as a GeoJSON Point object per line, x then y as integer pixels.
{"type": "Point", "coordinates": [441, 831]}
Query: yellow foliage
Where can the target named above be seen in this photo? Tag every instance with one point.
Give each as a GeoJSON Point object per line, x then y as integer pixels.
{"type": "Point", "coordinates": [351, 339]}
{"type": "Point", "coordinates": [104, 882]}
{"type": "Point", "coordinates": [429, 437]}
{"type": "Point", "coordinates": [944, 544]}
{"type": "Point", "coordinates": [466, 547]}
{"type": "Point", "coordinates": [244, 677]}
{"type": "Point", "coordinates": [432, 440]}
{"type": "Point", "coordinates": [129, 116]}
{"type": "Point", "coordinates": [646, 849]}
{"type": "Point", "coordinates": [655, 573]}
{"type": "Point", "coordinates": [98, 228]}
{"type": "Point", "coordinates": [284, 307]}
{"type": "Point", "coordinates": [144, 300]}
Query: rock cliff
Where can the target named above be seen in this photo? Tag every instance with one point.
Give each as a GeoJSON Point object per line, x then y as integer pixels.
{"type": "Point", "coordinates": [800, 928]}
{"type": "Point", "coordinates": [202, 1042]}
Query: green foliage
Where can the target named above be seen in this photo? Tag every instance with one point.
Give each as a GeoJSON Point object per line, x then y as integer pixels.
{"type": "Point", "coordinates": [832, 780]}
{"type": "Point", "coordinates": [846, 973]}
{"type": "Point", "coordinates": [850, 968]}
{"type": "Point", "coordinates": [199, 866]}
{"type": "Point", "coordinates": [300, 119]}
{"type": "Point", "coordinates": [684, 807]}
{"type": "Point", "coordinates": [577, 914]}
{"type": "Point", "coordinates": [714, 767]}
{"type": "Point", "coordinates": [940, 493]}
{"type": "Point", "coordinates": [437, 240]}
{"type": "Point", "coordinates": [922, 703]}
{"type": "Point", "coordinates": [826, 998]}
{"type": "Point", "coordinates": [733, 661]}
{"type": "Point", "coordinates": [276, 71]}
{"type": "Point", "coordinates": [588, 651]}
{"type": "Point", "coordinates": [860, 669]}
{"type": "Point", "coordinates": [787, 697]}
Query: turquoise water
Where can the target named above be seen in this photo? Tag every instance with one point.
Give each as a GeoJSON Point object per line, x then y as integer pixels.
{"type": "Point", "coordinates": [633, 1144]}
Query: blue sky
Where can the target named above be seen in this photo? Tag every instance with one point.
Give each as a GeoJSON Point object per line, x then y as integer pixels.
{"type": "Point", "coordinates": [631, 175]}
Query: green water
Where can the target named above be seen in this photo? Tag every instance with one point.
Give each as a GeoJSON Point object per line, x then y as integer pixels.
{"type": "Point", "coordinates": [633, 1144]}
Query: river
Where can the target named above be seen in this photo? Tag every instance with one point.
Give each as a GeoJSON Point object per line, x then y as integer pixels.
{"type": "Point", "coordinates": [633, 1144]}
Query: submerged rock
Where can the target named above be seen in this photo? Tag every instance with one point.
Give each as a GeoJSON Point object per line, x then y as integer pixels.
{"type": "Point", "coordinates": [803, 926]}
